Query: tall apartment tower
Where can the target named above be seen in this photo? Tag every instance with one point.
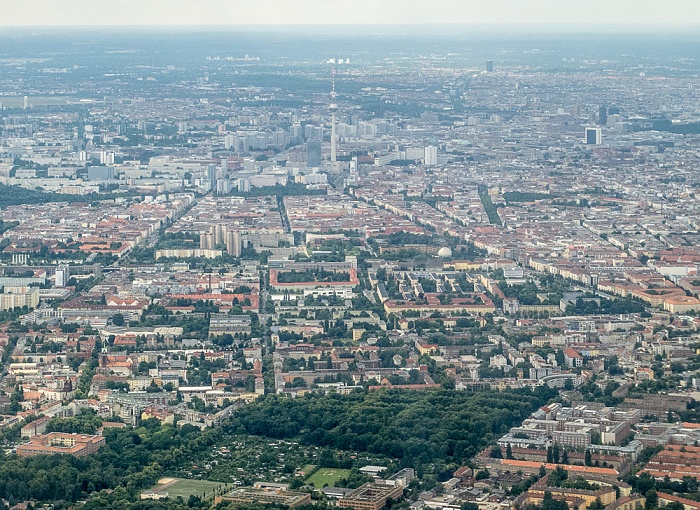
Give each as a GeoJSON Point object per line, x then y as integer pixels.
{"type": "Point", "coordinates": [233, 243]}
{"type": "Point", "coordinates": [430, 155]}
{"type": "Point", "coordinates": [62, 275]}
{"type": "Point", "coordinates": [206, 241]}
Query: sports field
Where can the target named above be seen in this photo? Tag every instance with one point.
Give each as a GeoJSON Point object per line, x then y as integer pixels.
{"type": "Point", "coordinates": [308, 468]}
{"type": "Point", "coordinates": [326, 476]}
{"type": "Point", "coordinates": [185, 488]}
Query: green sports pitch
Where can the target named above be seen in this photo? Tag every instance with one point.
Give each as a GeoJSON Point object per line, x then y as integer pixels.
{"type": "Point", "coordinates": [185, 488]}
{"type": "Point", "coordinates": [326, 476]}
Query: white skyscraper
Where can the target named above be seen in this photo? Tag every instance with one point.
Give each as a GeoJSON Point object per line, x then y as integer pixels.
{"type": "Point", "coordinates": [62, 276]}
{"type": "Point", "coordinates": [430, 155]}
{"type": "Point", "coordinates": [106, 158]}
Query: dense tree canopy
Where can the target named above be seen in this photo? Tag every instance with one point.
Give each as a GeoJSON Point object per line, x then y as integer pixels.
{"type": "Point", "coordinates": [133, 459]}
{"type": "Point", "coordinates": [416, 427]}
{"type": "Point", "coordinates": [438, 426]}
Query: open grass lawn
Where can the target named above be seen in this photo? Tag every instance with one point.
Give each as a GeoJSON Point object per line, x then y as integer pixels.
{"type": "Point", "coordinates": [186, 488]}
{"type": "Point", "coordinates": [326, 476]}
{"type": "Point", "coordinates": [307, 469]}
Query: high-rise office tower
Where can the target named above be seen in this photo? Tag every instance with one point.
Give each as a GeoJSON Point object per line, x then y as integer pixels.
{"type": "Point", "coordinates": [489, 66]}
{"type": "Point", "coordinates": [603, 115]}
{"type": "Point", "coordinates": [313, 153]}
{"type": "Point", "coordinates": [211, 175]}
{"type": "Point", "coordinates": [593, 136]}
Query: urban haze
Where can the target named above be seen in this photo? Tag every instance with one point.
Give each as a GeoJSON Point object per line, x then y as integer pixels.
{"type": "Point", "coordinates": [407, 258]}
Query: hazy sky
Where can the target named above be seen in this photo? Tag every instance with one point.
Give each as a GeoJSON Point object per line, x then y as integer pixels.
{"type": "Point", "coordinates": [256, 12]}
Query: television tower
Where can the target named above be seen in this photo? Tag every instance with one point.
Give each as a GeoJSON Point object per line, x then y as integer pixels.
{"type": "Point", "coordinates": [333, 107]}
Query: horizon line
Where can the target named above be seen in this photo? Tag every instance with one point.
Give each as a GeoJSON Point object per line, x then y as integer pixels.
{"type": "Point", "coordinates": [564, 24]}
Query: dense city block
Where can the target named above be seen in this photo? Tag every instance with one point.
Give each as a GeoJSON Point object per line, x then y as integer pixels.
{"type": "Point", "coordinates": [406, 272]}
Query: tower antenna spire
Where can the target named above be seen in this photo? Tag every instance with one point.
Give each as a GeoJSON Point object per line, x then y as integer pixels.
{"type": "Point", "coordinates": [333, 107]}
{"type": "Point", "coordinates": [333, 94]}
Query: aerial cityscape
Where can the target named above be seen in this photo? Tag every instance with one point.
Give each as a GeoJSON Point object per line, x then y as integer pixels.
{"type": "Point", "coordinates": [369, 267]}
